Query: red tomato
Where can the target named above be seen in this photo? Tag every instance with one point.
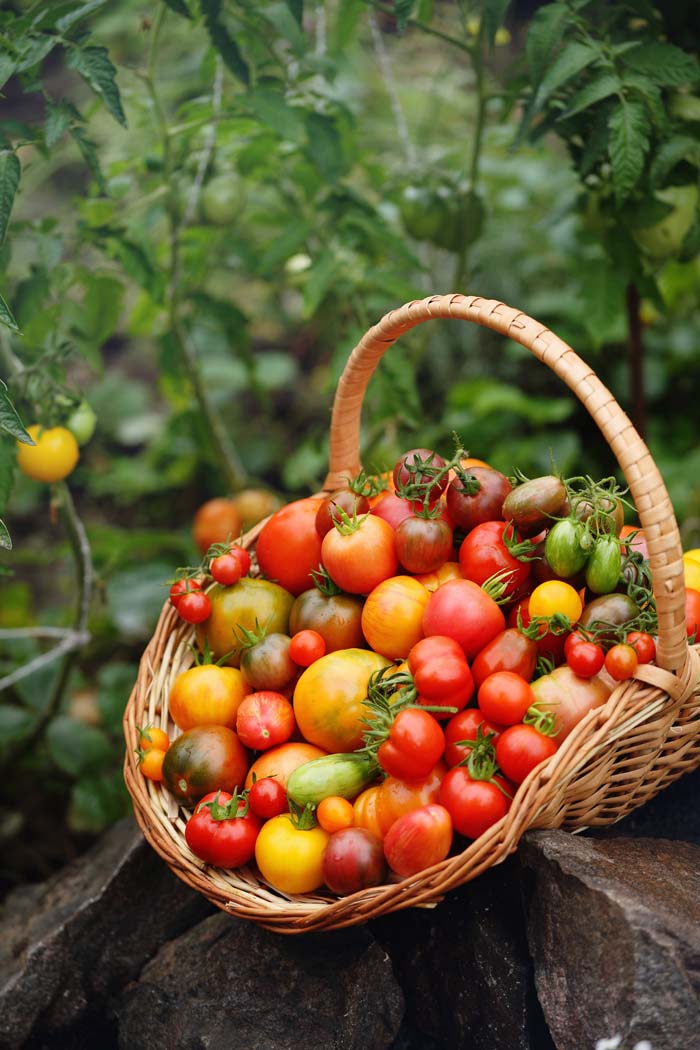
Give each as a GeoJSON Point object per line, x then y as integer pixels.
{"type": "Point", "coordinates": [194, 607]}
{"type": "Point", "coordinates": [365, 811]}
{"type": "Point", "coordinates": [358, 561]}
{"type": "Point", "coordinates": [429, 650]}
{"type": "Point", "coordinates": [692, 612]}
{"type": "Point", "coordinates": [242, 557]}
{"type": "Point", "coordinates": [418, 840]}
{"type": "Point", "coordinates": [423, 544]}
{"type": "Point", "coordinates": [264, 720]}
{"type": "Point", "coordinates": [221, 834]}
{"type": "Point", "coordinates": [621, 662]}
{"type": "Point", "coordinates": [474, 805]}
{"type": "Point", "coordinates": [504, 697]}
{"type": "Point", "coordinates": [419, 466]}
{"type": "Point", "coordinates": [508, 651]}
{"type": "Point", "coordinates": [225, 569]}
{"type": "Point", "coordinates": [484, 553]}
{"type": "Point", "coordinates": [638, 541]}
{"type": "Point", "coordinates": [181, 588]}
{"type": "Point", "coordinates": [461, 610]}
{"type": "Point", "coordinates": [267, 798]}
{"type": "Point", "coordinates": [569, 697]}
{"type": "Point", "coordinates": [413, 746]}
{"type": "Point", "coordinates": [583, 657]}
{"type": "Point", "coordinates": [306, 647]}
{"type": "Point", "coordinates": [464, 726]}
{"type": "Point", "coordinates": [289, 547]}
{"type": "Point", "coordinates": [643, 645]}
{"type": "Point", "coordinates": [486, 504]}
{"type": "Point", "coordinates": [520, 748]}
{"type": "Point", "coordinates": [548, 644]}
{"type": "Point", "coordinates": [392, 509]}
{"type": "Point", "coordinates": [441, 673]}
{"type": "Point", "coordinates": [354, 860]}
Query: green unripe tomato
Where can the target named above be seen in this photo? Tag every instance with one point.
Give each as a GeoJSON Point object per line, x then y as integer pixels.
{"type": "Point", "coordinates": [221, 200]}
{"type": "Point", "coordinates": [664, 239]}
{"type": "Point", "coordinates": [82, 422]}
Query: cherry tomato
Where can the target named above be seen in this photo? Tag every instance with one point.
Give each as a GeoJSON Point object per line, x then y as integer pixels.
{"type": "Point", "coordinates": [484, 553]}
{"type": "Point", "coordinates": [335, 813]}
{"type": "Point", "coordinates": [520, 749]}
{"type": "Point", "coordinates": [465, 726]}
{"type": "Point", "coordinates": [288, 547]}
{"type": "Point", "coordinates": [267, 798]}
{"type": "Point", "coordinates": [242, 556]}
{"type": "Point", "coordinates": [461, 610]}
{"type": "Point", "coordinates": [621, 661]}
{"type": "Point", "coordinates": [226, 569]}
{"type": "Point", "coordinates": [423, 544]}
{"type": "Point", "coordinates": [182, 587]}
{"type": "Point", "coordinates": [474, 805]}
{"type": "Point", "coordinates": [692, 612]}
{"type": "Point", "coordinates": [419, 466]}
{"type": "Point", "coordinates": [216, 521]}
{"type": "Point", "coordinates": [418, 840]}
{"type": "Point", "coordinates": [354, 860]}
{"type": "Point", "coordinates": [194, 607]}
{"type": "Point", "coordinates": [52, 457]}
{"type": "Point", "coordinates": [504, 697]}
{"type": "Point", "coordinates": [585, 658]}
{"type": "Point", "coordinates": [486, 504]}
{"type": "Point", "coordinates": [151, 736]}
{"type": "Point", "coordinates": [222, 831]}
{"type": "Point", "coordinates": [306, 647]}
{"type": "Point", "coordinates": [510, 650]}
{"type": "Point", "coordinates": [264, 720]}
{"type": "Point", "coordinates": [392, 617]}
{"type": "Point", "coordinates": [360, 559]}
{"type": "Point", "coordinates": [151, 764]}
{"type": "Point", "coordinates": [413, 746]}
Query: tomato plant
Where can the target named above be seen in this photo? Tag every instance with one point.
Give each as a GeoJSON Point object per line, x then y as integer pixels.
{"type": "Point", "coordinates": [342, 499]}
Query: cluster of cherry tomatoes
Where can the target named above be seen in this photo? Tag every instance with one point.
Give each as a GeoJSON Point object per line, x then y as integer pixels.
{"type": "Point", "coordinates": [407, 651]}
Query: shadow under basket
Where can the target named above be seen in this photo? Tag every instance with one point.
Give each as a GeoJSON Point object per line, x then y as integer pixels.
{"type": "Point", "coordinates": [616, 759]}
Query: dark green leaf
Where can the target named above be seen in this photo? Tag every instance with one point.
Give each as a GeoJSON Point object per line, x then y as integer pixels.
{"type": "Point", "coordinates": [6, 317]}
{"type": "Point", "coordinates": [297, 9]}
{"type": "Point", "coordinates": [9, 420]}
{"type": "Point", "coordinates": [95, 68]}
{"type": "Point", "coordinates": [135, 597]}
{"type": "Point", "coordinates": [59, 118]}
{"type": "Point", "coordinates": [138, 265]}
{"type": "Point", "coordinates": [664, 63]}
{"type": "Point", "coordinates": [325, 147]}
{"type": "Point", "coordinates": [222, 40]}
{"type": "Point", "coordinates": [545, 33]}
{"type": "Point", "coordinates": [283, 21]}
{"type": "Point", "coordinates": [676, 149]}
{"type": "Point", "coordinates": [7, 68]}
{"type": "Point", "coordinates": [63, 24]}
{"type": "Point", "coordinates": [34, 49]}
{"type": "Point", "coordinates": [10, 172]}
{"type": "Point", "coordinates": [115, 681]}
{"type": "Point", "coordinates": [89, 152]}
{"type": "Point", "coordinates": [403, 9]}
{"type": "Point", "coordinates": [286, 243]}
{"type": "Point", "coordinates": [629, 143]}
{"type": "Point", "coordinates": [573, 58]}
{"type": "Point", "coordinates": [97, 802]}
{"type": "Point", "coordinates": [179, 7]}
{"type": "Point", "coordinates": [347, 17]}
{"type": "Point", "coordinates": [7, 472]}
{"type": "Point", "coordinates": [269, 105]}
{"type": "Point", "coordinates": [320, 278]}
{"type": "Point", "coordinates": [494, 15]}
{"type": "Point", "coordinates": [76, 747]}
{"type": "Point", "coordinates": [596, 90]}
{"type": "Point", "coordinates": [15, 723]}
{"type": "Point", "coordinates": [603, 301]}
{"type": "Point", "coordinates": [5, 540]}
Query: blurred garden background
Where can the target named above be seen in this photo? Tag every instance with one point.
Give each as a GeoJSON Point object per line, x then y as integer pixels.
{"type": "Point", "coordinates": [204, 204]}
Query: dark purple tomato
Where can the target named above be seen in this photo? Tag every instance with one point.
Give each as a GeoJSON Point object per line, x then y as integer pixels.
{"type": "Point", "coordinates": [354, 860]}
{"type": "Point", "coordinates": [486, 504]}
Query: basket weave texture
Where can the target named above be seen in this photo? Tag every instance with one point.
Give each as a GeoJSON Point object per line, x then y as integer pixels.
{"type": "Point", "coordinates": [616, 759]}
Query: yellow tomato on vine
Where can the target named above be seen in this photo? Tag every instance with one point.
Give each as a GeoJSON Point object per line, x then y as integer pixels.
{"type": "Point", "coordinates": [52, 457]}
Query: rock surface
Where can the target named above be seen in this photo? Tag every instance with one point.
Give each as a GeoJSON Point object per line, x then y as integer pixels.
{"type": "Point", "coordinates": [614, 932]}
{"type": "Point", "coordinates": [230, 984]}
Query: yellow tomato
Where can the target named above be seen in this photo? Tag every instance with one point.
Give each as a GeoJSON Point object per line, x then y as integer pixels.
{"type": "Point", "coordinates": [392, 616]}
{"type": "Point", "coordinates": [289, 858]}
{"type": "Point", "coordinates": [53, 456]}
{"type": "Point", "coordinates": [555, 596]}
{"type": "Point", "coordinates": [693, 555]}
{"type": "Point", "coordinates": [328, 698]}
{"type": "Point", "coordinates": [691, 571]}
{"type": "Point", "coordinates": [451, 570]}
{"type": "Point", "coordinates": [365, 813]}
{"type": "Point", "coordinates": [207, 695]}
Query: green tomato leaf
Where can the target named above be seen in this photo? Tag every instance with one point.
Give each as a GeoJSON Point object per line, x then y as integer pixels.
{"type": "Point", "coordinates": [6, 316]}
{"type": "Point", "coordinates": [95, 68]}
{"type": "Point", "coordinates": [7, 68]}
{"type": "Point", "coordinates": [76, 747]}
{"type": "Point", "coordinates": [10, 171]}
{"type": "Point", "coordinates": [596, 90]}
{"type": "Point", "coordinates": [297, 9]}
{"type": "Point", "coordinates": [283, 21]}
{"type": "Point", "coordinates": [270, 107]}
{"type": "Point", "coordinates": [135, 597]}
{"type": "Point", "coordinates": [494, 15]}
{"type": "Point", "coordinates": [676, 149]}
{"type": "Point", "coordinates": [5, 540]}
{"type": "Point", "coordinates": [543, 38]}
{"type": "Point", "coordinates": [89, 152]}
{"type": "Point", "coordinates": [15, 723]}
{"type": "Point", "coordinates": [325, 146]}
{"type": "Point", "coordinates": [179, 7]}
{"type": "Point", "coordinates": [59, 118]}
{"type": "Point", "coordinates": [96, 802]}
{"type": "Point", "coordinates": [664, 64]}
{"type": "Point", "coordinates": [629, 143]}
{"type": "Point", "coordinates": [222, 40]}
{"type": "Point", "coordinates": [9, 420]}
{"type": "Point", "coordinates": [403, 9]}
{"type": "Point", "coordinates": [7, 472]}
{"type": "Point", "coordinates": [115, 682]}
{"type": "Point", "coordinates": [63, 24]}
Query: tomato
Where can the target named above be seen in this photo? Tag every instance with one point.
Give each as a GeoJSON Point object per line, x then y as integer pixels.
{"type": "Point", "coordinates": [267, 664]}
{"type": "Point", "coordinates": [392, 617]}
{"type": "Point", "coordinates": [181, 587]}
{"type": "Point", "coordinates": [194, 607]}
{"type": "Point", "coordinates": [222, 831]}
{"type": "Point", "coordinates": [563, 550]}
{"type": "Point", "coordinates": [634, 534]}
{"type": "Point", "coordinates": [473, 805]}
{"type": "Point", "coordinates": [289, 857]}
{"type": "Point", "coordinates": [583, 657]}
{"type": "Point", "coordinates": [328, 698]}
{"type": "Point", "coordinates": [393, 509]}
{"type": "Point", "coordinates": [419, 467]}
{"type": "Point", "coordinates": [553, 597]}
{"type": "Point", "coordinates": [354, 860]}
{"type": "Point", "coordinates": [206, 695]}
{"type": "Point", "coordinates": [306, 647]}
{"type": "Point", "coordinates": [510, 650]}
{"type": "Point", "coordinates": [621, 662]}
{"type": "Point", "coordinates": [441, 673]}
{"type": "Point", "coordinates": [692, 612]}
{"type": "Point", "coordinates": [255, 504]}
{"type": "Point", "coordinates": [461, 610]}
{"type": "Point", "coordinates": [151, 763]}
{"type": "Point", "coordinates": [52, 457]}
{"type": "Point", "coordinates": [288, 547]}
{"type": "Point", "coordinates": [82, 422]}
{"type": "Point", "coordinates": [450, 570]}
{"type": "Point", "coordinates": [365, 811]}
{"type": "Point", "coordinates": [336, 617]}
{"type": "Point", "coordinates": [418, 840]}
{"type": "Point", "coordinates": [568, 697]}
{"type": "Point", "coordinates": [397, 796]}
{"type": "Point", "coordinates": [643, 645]}
{"type": "Point", "coordinates": [549, 645]}
{"type": "Point", "coordinates": [504, 698]}
{"type": "Point", "coordinates": [414, 745]}
{"type": "Point", "coordinates": [226, 569]}
{"type": "Point", "coordinates": [267, 798]}
{"type": "Point", "coordinates": [520, 749]}
{"type": "Point", "coordinates": [423, 544]}
{"type": "Point", "coordinates": [151, 736]}
{"type": "Point", "coordinates": [280, 762]}
{"type": "Point", "coordinates": [464, 726]}
{"type": "Point", "coordinates": [264, 720]}
{"type": "Point", "coordinates": [221, 200]}
{"type": "Point", "coordinates": [532, 505]}
{"type": "Point", "coordinates": [216, 521]}
{"type": "Point", "coordinates": [468, 510]}
{"type": "Point", "coordinates": [610, 610]}
{"type": "Point", "coordinates": [604, 565]}
{"type": "Point", "coordinates": [334, 813]}
{"type": "Point", "coordinates": [608, 515]}
{"type": "Point", "coordinates": [360, 556]}
{"type": "Point", "coordinates": [691, 573]}
{"type": "Point", "coordinates": [241, 606]}
{"type": "Point", "coordinates": [333, 506]}
{"type": "Point", "coordinates": [203, 759]}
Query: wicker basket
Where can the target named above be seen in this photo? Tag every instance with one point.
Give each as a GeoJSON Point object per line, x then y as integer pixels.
{"type": "Point", "coordinates": [618, 757]}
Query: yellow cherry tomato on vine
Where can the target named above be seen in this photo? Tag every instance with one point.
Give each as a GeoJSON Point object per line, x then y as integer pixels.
{"type": "Point", "coordinates": [53, 456]}
{"type": "Point", "coordinates": [290, 858]}
{"type": "Point", "coordinates": [555, 596]}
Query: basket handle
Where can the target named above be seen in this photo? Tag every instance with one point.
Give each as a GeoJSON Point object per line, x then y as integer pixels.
{"type": "Point", "coordinates": [652, 501]}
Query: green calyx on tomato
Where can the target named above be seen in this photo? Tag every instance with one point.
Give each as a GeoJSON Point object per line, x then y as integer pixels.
{"type": "Point", "coordinates": [303, 818]}
{"type": "Point", "coordinates": [481, 759]}
{"type": "Point", "coordinates": [367, 485]}
{"type": "Point", "coordinates": [421, 476]}
{"type": "Point", "coordinates": [237, 806]}
{"type": "Point", "coordinates": [544, 722]}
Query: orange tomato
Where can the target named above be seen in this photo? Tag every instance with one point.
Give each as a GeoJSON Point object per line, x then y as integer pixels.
{"type": "Point", "coordinates": [216, 521]}
{"type": "Point", "coordinates": [392, 616]}
{"type": "Point", "coordinates": [151, 764]}
{"type": "Point", "coordinates": [397, 797]}
{"type": "Point", "coordinates": [357, 561]}
{"type": "Point", "coordinates": [334, 813]}
{"type": "Point", "coordinates": [328, 698]}
{"type": "Point", "coordinates": [451, 570]}
{"type": "Point", "coordinates": [366, 811]}
{"type": "Point", "coordinates": [150, 736]}
{"type": "Point", "coordinates": [280, 762]}
{"type": "Point", "coordinates": [207, 695]}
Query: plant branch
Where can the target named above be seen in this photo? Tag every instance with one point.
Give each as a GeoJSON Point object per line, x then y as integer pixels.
{"type": "Point", "coordinates": [416, 24]}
